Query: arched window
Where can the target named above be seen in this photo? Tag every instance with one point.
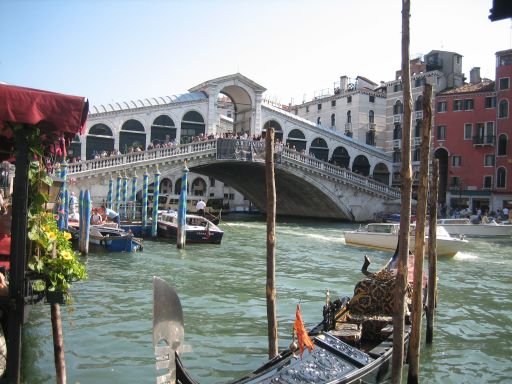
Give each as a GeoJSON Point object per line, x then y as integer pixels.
{"type": "Point", "coordinates": [502, 145]}
{"type": "Point", "coordinates": [371, 116]}
{"type": "Point", "coordinates": [333, 120]}
{"type": "Point", "coordinates": [503, 109]}
{"type": "Point", "coordinates": [398, 108]}
{"type": "Point", "coordinates": [501, 178]}
{"type": "Point", "coordinates": [418, 105]}
{"type": "Point", "coordinates": [349, 117]}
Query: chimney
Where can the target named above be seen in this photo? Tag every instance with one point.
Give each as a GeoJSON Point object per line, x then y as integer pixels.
{"type": "Point", "coordinates": [343, 83]}
{"type": "Point", "coordinates": [474, 75]}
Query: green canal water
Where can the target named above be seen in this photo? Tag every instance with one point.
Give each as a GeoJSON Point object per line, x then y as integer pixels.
{"type": "Point", "coordinates": [107, 330]}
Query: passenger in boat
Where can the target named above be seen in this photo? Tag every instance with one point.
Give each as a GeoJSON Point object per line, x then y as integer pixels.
{"type": "Point", "coordinates": [96, 218]}
{"type": "Point", "coordinates": [200, 206]}
{"type": "Point", "coordinates": [110, 214]}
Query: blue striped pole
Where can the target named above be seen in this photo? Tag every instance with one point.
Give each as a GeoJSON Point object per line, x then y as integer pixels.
{"type": "Point", "coordinates": [124, 192]}
{"type": "Point", "coordinates": [62, 197]}
{"type": "Point", "coordinates": [110, 190]}
{"type": "Point", "coordinates": [118, 193]}
{"type": "Point", "coordinates": [134, 194]}
{"type": "Point", "coordinates": [182, 210]}
{"type": "Point", "coordinates": [156, 193]}
{"type": "Point", "coordinates": [66, 209]}
{"type": "Point", "coordinates": [81, 218]}
{"type": "Point", "coordinates": [145, 187]}
{"type": "Point", "coordinates": [87, 221]}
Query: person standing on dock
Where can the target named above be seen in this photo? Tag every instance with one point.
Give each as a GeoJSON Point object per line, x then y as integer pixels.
{"type": "Point", "coordinates": [200, 206]}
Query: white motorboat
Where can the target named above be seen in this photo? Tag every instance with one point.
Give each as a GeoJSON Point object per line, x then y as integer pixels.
{"type": "Point", "coordinates": [384, 236]}
{"type": "Point", "coordinates": [198, 229]}
{"type": "Point", "coordinates": [467, 228]}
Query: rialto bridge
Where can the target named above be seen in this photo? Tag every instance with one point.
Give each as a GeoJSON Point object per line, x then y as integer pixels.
{"type": "Point", "coordinates": [319, 172]}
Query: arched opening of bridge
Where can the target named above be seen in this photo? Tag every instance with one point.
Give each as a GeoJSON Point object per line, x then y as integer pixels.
{"type": "Point", "coordinates": [166, 185]}
{"type": "Point", "coordinates": [381, 173]}
{"type": "Point", "coordinates": [340, 157]}
{"type": "Point", "coordinates": [192, 125]}
{"type": "Point", "coordinates": [198, 187]}
{"type": "Point", "coordinates": [442, 155]}
{"type": "Point", "coordinates": [177, 187]}
{"type": "Point", "coordinates": [242, 105]}
{"type": "Point", "coordinates": [132, 136]}
{"type": "Point", "coordinates": [296, 140]}
{"type": "Point", "coordinates": [75, 148]}
{"type": "Point", "coordinates": [277, 128]}
{"type": "Point", "coordinates": [99, 139]}
{"type": "Point", "coordinates": [361, 165]}
{"type": "Point", "coordinates": [319, 149]}
{"type": "Point", "coordinates": [163, 130]}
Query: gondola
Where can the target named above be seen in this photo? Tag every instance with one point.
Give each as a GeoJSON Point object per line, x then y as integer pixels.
{"type": "Point", "coordinates": [352, 344]}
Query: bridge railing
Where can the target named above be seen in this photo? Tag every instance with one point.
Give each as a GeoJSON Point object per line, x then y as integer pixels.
{"type": "Point", "coordinates": [342, 173]}
{"type": "Point", "coordinates": [137, 157]}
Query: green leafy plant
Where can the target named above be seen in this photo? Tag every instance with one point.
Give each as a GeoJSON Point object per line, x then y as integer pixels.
{"type": "Point", "coordinates": [51, 254]}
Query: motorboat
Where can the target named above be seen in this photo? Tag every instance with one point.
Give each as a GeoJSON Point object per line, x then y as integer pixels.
{"type": "Point", "coordinates": [113, 239]}
{"type": "Point", "coordinates": [384, 236]}
{"type": "Point", "coordinates": [464, 226]}
{"type": "Point", "coordinates": [198, 229]}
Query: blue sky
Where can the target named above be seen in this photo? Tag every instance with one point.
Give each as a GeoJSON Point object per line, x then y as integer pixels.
{"type": "Point", "coordinates": [113, 50]}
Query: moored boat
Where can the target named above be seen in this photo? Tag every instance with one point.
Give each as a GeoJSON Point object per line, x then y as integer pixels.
{"type": "Point", "coordinates": [113, 239]}
{"type": "Point", "coordinates": [384, 236]}
{"type": "Point", "coordinates": [467, 228]}
{"type": "Point", "coordinates": [352, 344]}
{"type": "Point", "coordinates": [198, 229]}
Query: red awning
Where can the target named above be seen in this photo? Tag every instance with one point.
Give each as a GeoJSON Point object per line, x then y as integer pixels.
{"type": "Point", "coordinates": [56, 114]}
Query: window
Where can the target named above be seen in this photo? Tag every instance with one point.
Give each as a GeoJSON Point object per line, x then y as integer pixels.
{"type": "Point", "coordinates": [349, 99]}
{"type": "Point", "coordinates": [371, 98]}
{"type": "Point", "coordinates": [456, 161]}
{"type": "Point", "coordinates": [418, 104]}
{"type": "Point", "coordinates": [457, 105]}
{"type": "Point", "coordinates": [333, 103]}
{"type": "Point", "coordinates": [349, 117]}
{"type": "Point", "coordinates": [502, 145]}
{"type": "Point", "coordinates": [503, 109]}
{"type": "Point", "coordinates": [319, 120]}
{"type": "Point", "coordinates": [468, 131]}
{"type": "Point", "coordinates": [441, 132]}
{"type": "Point", "coordinates": [442, 106]}
{"type": "Point", "coordinates": [489, 161]}
{"type": "Point", "coordinates": [333, 120]}
{"type": "Point", "coordinates": [397, 132]}
{"type": "Point", "coordinates": [504, 83]}
{"type": "Point", "coordinates": [455, 181]}
{"type": "Point", "coordinates": [371, 116]}
{"type": "Point", "coordinates": [212, 182]}
{"type": "Point", "coordinates": [398, 108]}
{"type": "Point", "coordinates": [490, 102]}
{"type": "Point", "coordinates": [397, 87]}
{"type": "Point", "coordinates": [370, 137]}
{"type": "Point", "coordinates": [487, 182]}
{"type": "Point", "coordinates": [505, 60]}
{"type": "Point", "coordinates": [307, 109]}
{"type": "Point", "coordinates": [419, 82]}
{"type": "Point", "coordinates": [416, 154]}
{"type": "Point", "coordinates": [501, 178]}
{"type": "Point", "coordinates": [468, 104]}
{"type": "Point", "coordinates": [319, 107]}
{"type": "Point", "coordinates": [417, 128]}
{"type": "Point", "coordinates": [397, 156]}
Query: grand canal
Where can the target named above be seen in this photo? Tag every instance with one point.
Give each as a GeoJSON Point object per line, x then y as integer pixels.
{"type": "Point", "coordinates": [107, 330]}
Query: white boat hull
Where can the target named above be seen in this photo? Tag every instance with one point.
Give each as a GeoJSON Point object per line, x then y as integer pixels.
{"type": "Point", "coordinates": [446, 246]}
{"type": "Point", "coordinates": [478, 230]}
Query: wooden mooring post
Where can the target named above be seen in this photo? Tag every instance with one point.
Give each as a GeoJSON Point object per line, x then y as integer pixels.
{"type": "Point", "coordinates": [419, 249]}
{"type": "Point", "coordinates": [432, 253]}
{"type": "Point", "coordinates": [405, 209]}
{"type": "Point", "coordinates": [271, 244]}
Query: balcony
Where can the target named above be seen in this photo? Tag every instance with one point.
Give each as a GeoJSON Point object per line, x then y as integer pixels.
{"type": "Point", "coordinates": [397, 143]}
{"type": "Point", "coordinates": [371, 126]}
{"type": "Point", "coordinates": [397, 118]}
{"type": "Point", "coordinates": [419, 115]}
{"type": "Point", "coordinates": [487, 140]}
{"type": "Point", "coordinates": [416, 141]}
